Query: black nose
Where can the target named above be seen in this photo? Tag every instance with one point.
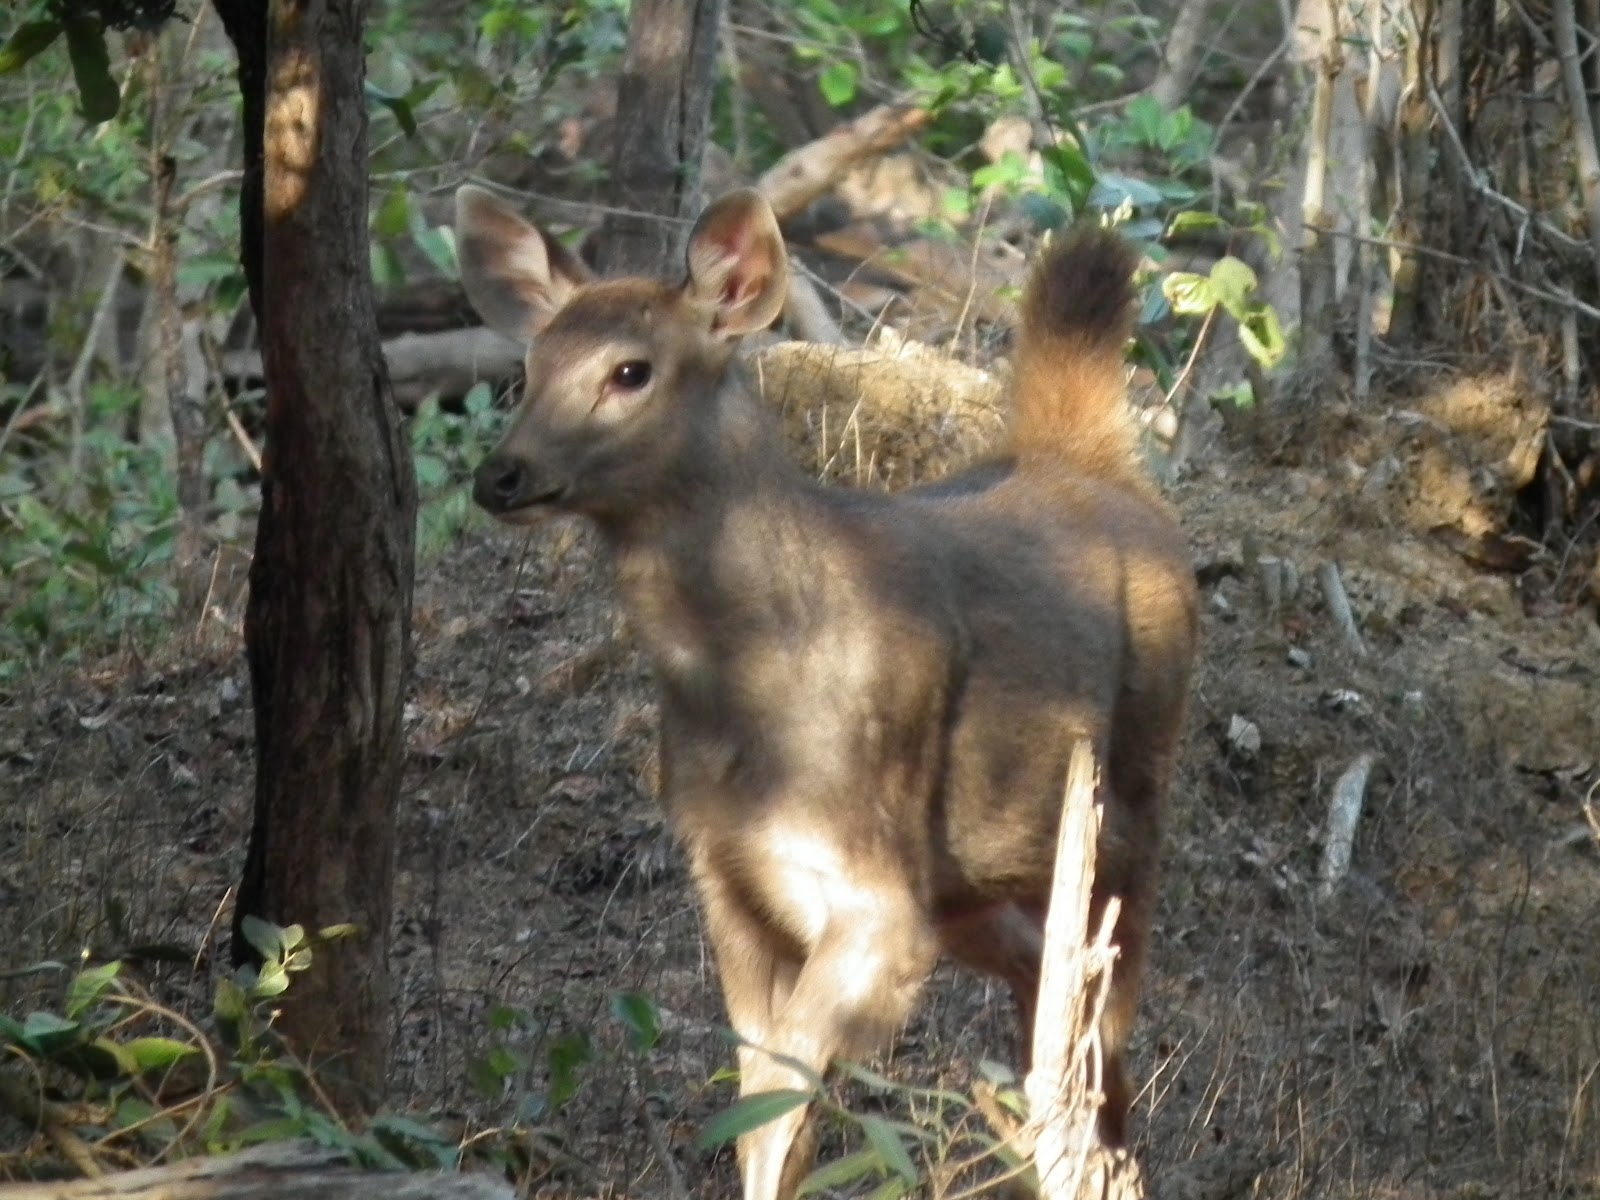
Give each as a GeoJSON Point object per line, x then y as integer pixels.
{"type": "Point", "coordinates": [499, 483]}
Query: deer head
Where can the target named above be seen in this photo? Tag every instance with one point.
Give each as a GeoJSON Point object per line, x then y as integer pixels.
{"type": "Point", "coordinates": [622, 375]}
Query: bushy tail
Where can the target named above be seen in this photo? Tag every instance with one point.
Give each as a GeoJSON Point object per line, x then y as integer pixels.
{"type": "Point", "coordinates": [1070, 391]}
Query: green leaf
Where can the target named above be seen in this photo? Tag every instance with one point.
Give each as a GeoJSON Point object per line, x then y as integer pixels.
{"type": "Point", "coordinates": [432, 472]}
{"type": "Point", "coordinates": [406, 1136]}
{"type": "Point", "coordinates": [88, 986]}
{"type": "Point", "coordinates": [42, 1027]}
{"type": "Point", "coordinates": [1044, 212]}
{"type": "Point", "coordinates": [1113, 189]}
{"type": "Point", "coordinates": [387, 270]}
{"type": "Point", "coordinates": [157, 1053]}
{"type": "Point", "coordinates": [1189, 294]}
{"type": "Point", "coordinates": [131, 1110]}
{"type": "Point", "coordinates": [881, 1136]}
{"type": "Point", "coordinates": [107, 1059]}
{"type": "Point", "coordinates": [838, 83]}
{"type": "Point", "coordinates": [27, 41]}
{"type": "Point", "coordinates": [566, 1055]}
{"type": "Point", "coordinates": [93, 554]}
{"type": "Point", "coordinates": [639, 1015]}
{"type": "Point", "coordinates": [1068, 173]}
{"type": "Point", "coordinates": [1194, 222]}
{"type": "Point", "coordinates": [264, 937]}
{"type": "Point", "coordinates": [398, 105]}
{"type": "Point", "coordinates": [747, 1113]}
{"type": "Point", "coordinates": [230, 1004]}
{"type": "Point", "coordinates": [438, 242]}
{"type": "Point", "coordinates": [272, 980]}
{"type": "Point", "coordinates": [843, 1171]}
{"type": "Point", "coordinates": [1232, 284]}
{"type": "Point", "coordinates": [1145, 115]}
{"type": "Point", "coordinates": [485, 1079]}
{"type": "Point", "coordinates": [91, 67]}
{"type": "Point", "coordinates": [393, 216]}
{"type": "Point", "coordinates": [1262, 335]}
{"type": "Point", "coordinates": [479, 399]}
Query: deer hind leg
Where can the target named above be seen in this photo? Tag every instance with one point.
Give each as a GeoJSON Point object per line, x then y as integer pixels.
{"type": "Point", "coordinates": [1131, 937]}
{"type": "Point", "coordinates": [857, 986]}
{"type": "Point", "coordinates": [1007, 942]}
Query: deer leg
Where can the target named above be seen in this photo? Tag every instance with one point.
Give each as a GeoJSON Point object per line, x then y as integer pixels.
{"type": "Point", "coordinates": [757, 969]}
{"type": "Point", "coordinates": [1131, 937]}
{"type": "Point", "coordinates": [857, 986]}
{"type": "Point", "coordinates": [1006, 942]}
{"type": "Point", "coordinates": [758, 973]}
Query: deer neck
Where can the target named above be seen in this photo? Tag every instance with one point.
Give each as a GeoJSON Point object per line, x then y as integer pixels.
{"type": "Point", "coordinates": [698, 567]}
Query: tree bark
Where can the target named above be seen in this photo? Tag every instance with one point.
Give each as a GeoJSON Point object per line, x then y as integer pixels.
{"type": "Point", "coordinates": [1180, 56]}
{"type": "Point", "coordinates": [327, 627]}
{"type": "Point", "coordinates": [663, 111]}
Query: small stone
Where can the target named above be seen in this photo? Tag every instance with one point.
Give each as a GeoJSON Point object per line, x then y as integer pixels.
{"type": "Point", "coordinates": [1342, 700]}
{"type": "Point", "coordinates": [1244, 736]}
{"type": "Point", "coordinates": [1299, 658]}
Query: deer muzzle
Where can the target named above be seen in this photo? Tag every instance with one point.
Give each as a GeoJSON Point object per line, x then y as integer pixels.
{"type": "Point", "coordinates": [506, 486]}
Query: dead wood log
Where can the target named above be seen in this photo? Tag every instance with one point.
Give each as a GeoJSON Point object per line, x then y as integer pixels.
{"type": "Point", "coordinates": [811, 171]}
{"type": "Point", "coordinates": [448, 362]}
{"type": "Point", "coordinates": [282, 1171]}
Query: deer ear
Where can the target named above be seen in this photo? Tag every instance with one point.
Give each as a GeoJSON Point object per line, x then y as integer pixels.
{"type": "Point", "coordinates": [737, 266]}
{"type": "Point", "coordinates": [516, 275]}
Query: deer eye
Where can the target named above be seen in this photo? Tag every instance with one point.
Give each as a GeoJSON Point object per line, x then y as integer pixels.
{"type": "Point", "coordinates": [631, 375]}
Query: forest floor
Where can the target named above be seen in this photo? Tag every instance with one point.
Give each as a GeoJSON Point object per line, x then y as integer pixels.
{"type": "Point", "coordinates": [1432, 1029]}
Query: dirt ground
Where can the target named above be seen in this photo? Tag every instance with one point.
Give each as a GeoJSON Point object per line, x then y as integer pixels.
{"type": "Point", "coordinates": [1431, 1029]}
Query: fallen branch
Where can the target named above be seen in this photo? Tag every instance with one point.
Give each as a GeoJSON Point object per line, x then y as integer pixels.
{"type": "Point", "coordinates": [1583, 131]}
{"type": "Point", "coordinates": [278, 1171]}
{"type": "Point", "coordinates": [1549, 296]}
{"type": "Point", "coordinates": [1063, 1088]}
{"type": "Point", "coordinates": [811, 171]}
{"type": "Point", "coordinates": [423, 364]}
{"type": "Point", "coordinates": [1338, 601]}
{"type": "Point", "coordinates": [1344, 813]}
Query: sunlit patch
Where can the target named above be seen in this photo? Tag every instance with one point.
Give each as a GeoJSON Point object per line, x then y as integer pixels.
{"type": "Point", "coordinates": [292, 129]}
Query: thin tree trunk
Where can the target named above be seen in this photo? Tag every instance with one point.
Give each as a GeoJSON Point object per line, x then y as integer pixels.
{"type": "Point", "coordinates": [1180, 57]}
{"type": "Point", "coordinates": [1583, 129]}
{"type": "Point", "coordinates": [663, 111]}
{"type": "Point", "coordinates": [327, 627]}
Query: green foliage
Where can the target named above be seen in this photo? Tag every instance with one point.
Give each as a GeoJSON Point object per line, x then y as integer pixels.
{"type": "Point", "coordinates": [1230, 286]}
{"type": "Point", "coordinates": [108, 1047]}
{"type": "Point", "coordinates": [446, 447]}
{"type": "Point", "coordinates": [85, 24]}
{"type": "Point", "coordinates": [938, 1127]}
{"type": "Point", "coordinates": [84, 554]}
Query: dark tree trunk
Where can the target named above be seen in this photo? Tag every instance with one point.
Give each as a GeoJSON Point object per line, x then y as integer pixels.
{"type": "Point", "coordinates": [663, 111]}
{"type": "Point", "coordinates": [327, 629]}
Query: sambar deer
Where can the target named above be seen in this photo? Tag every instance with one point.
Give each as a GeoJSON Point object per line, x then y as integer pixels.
{"type": "Point", "coordinates": [867, 702]}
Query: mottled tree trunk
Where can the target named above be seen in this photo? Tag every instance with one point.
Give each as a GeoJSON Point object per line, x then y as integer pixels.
{"type": "Point", "coordinates": [328, 624]}
{"type": "Point", "coordinates": [663, 111]}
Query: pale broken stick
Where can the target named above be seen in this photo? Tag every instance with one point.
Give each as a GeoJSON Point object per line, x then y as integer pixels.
{"type": "Point", "coordinates": [1063, 1086]}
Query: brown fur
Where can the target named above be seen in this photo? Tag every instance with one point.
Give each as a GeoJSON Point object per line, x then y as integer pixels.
{"type": "Point", "coordinates": [867, 702]}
